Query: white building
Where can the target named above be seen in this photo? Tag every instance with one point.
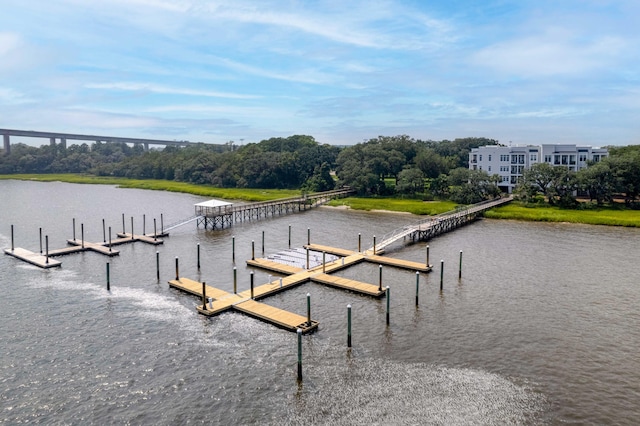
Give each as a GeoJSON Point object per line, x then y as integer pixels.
{"type": "Point", "coordinates": [509, 162]}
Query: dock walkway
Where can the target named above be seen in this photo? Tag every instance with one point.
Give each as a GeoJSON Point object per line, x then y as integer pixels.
{"type": "Point", "coordinates": [242, 302]}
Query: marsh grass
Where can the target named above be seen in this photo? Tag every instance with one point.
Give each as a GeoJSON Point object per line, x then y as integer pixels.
{"type": "Point", "coordinates": [603, 216]}
{"type": "Point", "coordinates": [248, 194]}
{"type": "Point", "coordinates": [396, 204]}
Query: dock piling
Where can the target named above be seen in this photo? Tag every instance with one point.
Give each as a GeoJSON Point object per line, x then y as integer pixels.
{"type": "Point", "coordinates": [12, 245]}
{"type": "Point", "coordinates": [155, 230]}
{"type": "Point", "coordinates": [251, 285]}
{"type": "Point", "coordinates": [307, 257]}
{"type": "Point", "coordinates": [417, 285]}
{"type": "Point", "coordinates": [253, 250]}
{"type": "Point", "coordinates": [158, 265]}
{"type": "Point", "coordinates": [233, 248]}
{"type": "Point", "coordinates": [161, 224]}
{"type": "Point", "coordinates": [104, 232]}
{"type": "Point", "coordinates": [82, 234]}
{"type": "Point", "coordinates": [427, 255]}
{"type": "Point", "coordinates": [359, 242]}
{"type": "Point", "coordinates": [177, 270]}
{"type": "Point", "coordinates": [144, 224]}
{"type": "Point", "coordinates": [309, 309]}
{"type": "Point", "coordinates": [109, 239]}
{"type": "Point", "coordinates": [132, 227]}
{"type": "Point", "coordinates": [280, 282]}
{"type": "Point", "coordinates": [441, 273]}
{"type": "Point", "coordinates": [299, 332]}
{"type": "Point", "coordinates": [262, 242]}
{"type": "Point", "coordinates": [388, 302]}
{"type": "Point", "coordinates": [289, 236]}
{"type": "Point", "coordinates": [204, 296]}
{"type": "Point", "coordinates": [198, 245]}
{"type": "Point", "coordinates": [108, 278]}
{"type": "Point", "coordinates": [74, 229]}
{"type": "Point", "coordinates": [124, 231]}
{"type": "Point", "coordinates": [348, 326]}
{"type": "Point", "coordinates": [324, 255]}
{"type": "Point", "coordinates": [308, 236]}
{"type": "Point", "coordinates": [40, 240]}
{"type": "Point", "coordinates": [235, 280]}
{"type": "Point", "coordinates": [46, 239]}
{"type": "Point", "coordinates": [460, 267]}
{"type": "Point", "coordinates": [380, 278]}
{"type": "Point", "coordinates": [374, 245]}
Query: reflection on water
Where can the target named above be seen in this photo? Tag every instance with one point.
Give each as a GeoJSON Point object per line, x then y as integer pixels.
{"type": "Point", "coordinates": [542, 327]}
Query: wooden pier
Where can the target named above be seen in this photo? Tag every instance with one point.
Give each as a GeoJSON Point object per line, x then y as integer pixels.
{"type": "Point", "coordinates": [36, 259]}
{"type": "Point", "coordinates": [226, 214]}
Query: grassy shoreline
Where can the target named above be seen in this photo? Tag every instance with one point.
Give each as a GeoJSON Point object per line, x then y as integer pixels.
{"type": "Point", "coordinates": [512, 211]}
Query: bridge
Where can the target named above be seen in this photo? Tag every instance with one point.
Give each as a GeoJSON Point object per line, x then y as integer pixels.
{"type": "Point", "coordinates": [434, 226]}
{"type": "Point", "coordinates": [64, 137]}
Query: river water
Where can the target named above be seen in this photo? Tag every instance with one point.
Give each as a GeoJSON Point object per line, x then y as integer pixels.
{"type": "Point", "coordinates": [543, 327]}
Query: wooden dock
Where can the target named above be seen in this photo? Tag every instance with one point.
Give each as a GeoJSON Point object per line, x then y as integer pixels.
{"type": "Point", "coordinates": [36, 259]}
{"type": "Point", "coordinates": [348, 284]}
{"type": "Point", "coordinates": [242, 302]}
{"type": "Point", "coordinates": [354, 256]}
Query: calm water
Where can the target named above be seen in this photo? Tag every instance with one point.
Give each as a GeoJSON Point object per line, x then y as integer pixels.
{"type": "Point", "coordinates": [543, 328]}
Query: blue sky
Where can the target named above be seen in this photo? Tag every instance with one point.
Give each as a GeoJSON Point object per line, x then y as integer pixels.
{"type": "Point", "coordinates": [520, 71]}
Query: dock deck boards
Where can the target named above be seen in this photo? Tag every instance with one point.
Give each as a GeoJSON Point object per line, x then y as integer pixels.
{"type": "Point", "coordinates": [33, 258]}
{"type": "Point", "coordinates": [145, 238]}
{"type": "Point", "coordinates": [224, 301]}
{"type": "Point", "coordinates": [97, 247]}
{"type": "Point", "coordinates": [398, 263]}
{"type": "Point", "coordinates": [348, 284]}
{"type": "Point", "coordinates": [278, 267]}
{"type": "Point", "coordinates": [331, 250]}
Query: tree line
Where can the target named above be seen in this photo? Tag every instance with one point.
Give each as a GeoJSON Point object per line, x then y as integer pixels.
{"type": "Point", "coordinates": [382, 166]}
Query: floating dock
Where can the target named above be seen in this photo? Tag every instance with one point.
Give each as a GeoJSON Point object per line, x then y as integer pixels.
{"type": "Point", "coordinates": [242, 302]}
{"type": "Point", "coordinates": [369, 257]}
{"type": "Point", "coordinates": [36, 259]}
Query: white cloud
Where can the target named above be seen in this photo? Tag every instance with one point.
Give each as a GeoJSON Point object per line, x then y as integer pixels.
{"type": "Point", "coordinates": [156, 88]}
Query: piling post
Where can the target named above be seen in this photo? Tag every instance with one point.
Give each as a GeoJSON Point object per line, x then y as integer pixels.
{"type": "Point", "coordinates": [74, 229]}
{"type": "Point", "coordinates": [161, 224]}
{"type": "Point", "coordinates": [323, 262]}
{"type": "Point", "coordinates": [144, 224]}
{"type": "Point", "coordinates": [251, 285]}
{"type": "Point", "coordinates": [40, 240]}
{"type": "Point", "coordinates": [289, 236]}
{"type": "Point", "coordinates": [299, 333]}
{"type": "Point", "coordinates": [46, 240]}
{"type": "Point", "coordinates": [348, 326]}
{"type": "Point", "coordinates": [380, 278]}
{"type": "Point", "coordinates": [309, 309]}
{"type": "Point", "coordinates": [307, 257]}
{"type": "Point", "coordinates": [235, 280]}
{"type": "Point", "coordinates": [12, 245]}
{"type": "Point", "coordinates": [427, 255]}
{"type": "Point", "coordinates": [155, 230]}
{"type": "Point", "coordinates": [177, 270]}
{"type": "Point", "coordinates": [308, 236]}
{"type": "Point", "coordinates": [82, 234]}
{"type": "Point", "coordinates": [123, 228]}
{"type": "Point", "coordinates": [233, 248]}
{"type": "Point", "coordinates": [204, 295]}
{"type": "Point", "coordinates": [374, 245]}
{"type": "Point", "coordinates": [109, 239]}
{"type": "Point", "coordinates": [158, 265]}
{"type": "Point", "coordinates": [441, 273]}
{"type": "Point", "coordinates": [388, 302]}
{"type": "Point", "coordinates": [359, 242]}
{"type": "Point", "coordinates": [460, 267]}
{"type": "Point", "coordinates": [104, 232]}
{"type": "Point", "coordinates": [132, 227]}
{"type": "Point", "coordinates": [198, 256]}
{"type": "Point", "coordinates": [108, 278]}
{"type": "Point", "coordinates": [263, 242]}
{"type": "Point", "coordinates": [253, 250]}
{"type": "Point", "coordinates": [417, 285]}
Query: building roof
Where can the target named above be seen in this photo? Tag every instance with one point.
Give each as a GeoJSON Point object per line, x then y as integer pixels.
{"type": "Point", "coordinates": [214, 203]}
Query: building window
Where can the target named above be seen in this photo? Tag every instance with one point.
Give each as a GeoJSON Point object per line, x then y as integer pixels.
{"type": "Point", "coordinates": [504, 157]}
{"type": "Point", "coordinates": [565, 160]}
{"type": "Point", "coordinates": [480, 157]}
{"type": "Point", "coordinates": [582, 158]}
{"type": "Point", "coordinates": [556, 159]}
{"type": "Point", "coordinates": [547, 158]}
{"type": "Point", "coordinates": [521, 159]}
{"type": "Point", "coordinates": [475, 167]}
{"type": "Point", "coordinates": [596, 158]}
{"type": "Point", "coordinates": [514, 159]}
{"type": "Point", "coordinates": [489, 157]}
{"type": "Point", "coordinates": [505, 178]}
{"type": "Point", "coordinates": [533, 158]}
{"type": "Point", "coordinates": [489, 167]}
{"type": "Point", "coordinates": [572, 159]}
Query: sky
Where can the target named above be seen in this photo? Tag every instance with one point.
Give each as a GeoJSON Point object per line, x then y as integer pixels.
{"type": "Point", "coordinates": [519, 71]}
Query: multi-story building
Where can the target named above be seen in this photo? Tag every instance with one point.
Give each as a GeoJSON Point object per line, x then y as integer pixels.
{"type": "Point", "coordinates": [509, 162]}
